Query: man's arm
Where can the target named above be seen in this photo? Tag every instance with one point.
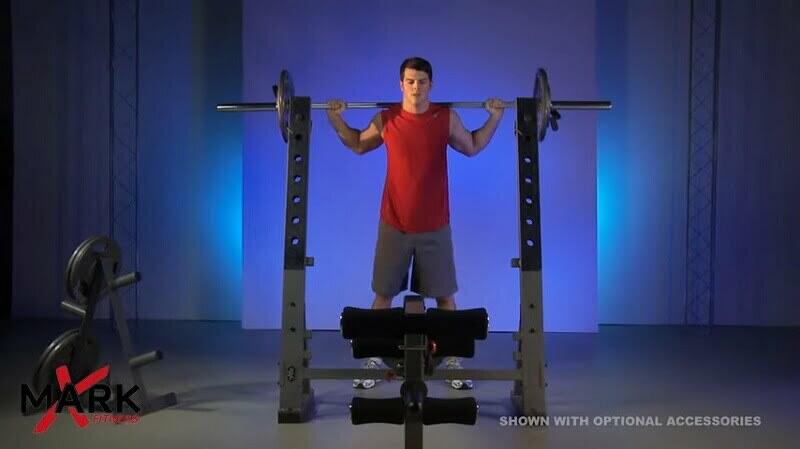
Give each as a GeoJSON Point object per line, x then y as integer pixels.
{"type": "Point", "coordinates": [361, 142]}
{"type": "Point", "coordinates": [471, 143]}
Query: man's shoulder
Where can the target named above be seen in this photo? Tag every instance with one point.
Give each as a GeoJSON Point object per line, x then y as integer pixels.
{"type": "Point", "coordinates": [387, 113]}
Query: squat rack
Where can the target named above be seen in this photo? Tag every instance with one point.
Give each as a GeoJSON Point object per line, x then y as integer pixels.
{"type": "Point", "coordinates": [534, 115]}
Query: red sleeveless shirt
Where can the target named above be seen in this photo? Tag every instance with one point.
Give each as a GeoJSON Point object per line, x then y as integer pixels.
{"type": "Point", "coordinates": [415, 196]}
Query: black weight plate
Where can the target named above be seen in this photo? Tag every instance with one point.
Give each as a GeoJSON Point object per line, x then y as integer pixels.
{"type": "Point", "coordinates": [541, 92]}
{"type": "Point", "coordinates": [50, 348]}
{"type": "Point", "coordinates": [283, 100]}
{"type": "Point", "coordinates": [70, 264]}
{"type": "Point", "coordinates": [85, 263]}
{"type": "Point", "coordinates": [63, 351]}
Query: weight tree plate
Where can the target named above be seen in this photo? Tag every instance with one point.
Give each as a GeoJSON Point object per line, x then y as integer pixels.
{"type": "Point", "coordinates": [85, 264]}
{"type": "Point", "coordinates": [80, 249]}
{"type": "Point", "coordinates": [81, 361]}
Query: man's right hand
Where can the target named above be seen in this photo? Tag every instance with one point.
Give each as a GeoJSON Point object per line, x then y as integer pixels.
{"type": "Point", "coordinates": [335, 108]}
{"type": "Point", "coordinates": [359, 141]}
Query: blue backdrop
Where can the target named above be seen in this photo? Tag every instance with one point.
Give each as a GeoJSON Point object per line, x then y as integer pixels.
{"type": "Point", "coordinates": [478, 50]}
{"type": "Point", "coordinates": [210, 200]}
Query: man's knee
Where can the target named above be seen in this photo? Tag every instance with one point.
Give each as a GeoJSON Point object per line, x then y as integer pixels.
{"type": "Point", "coordinates": [381, 302]}
{"type": "Point", "coordinates": [446, 302]}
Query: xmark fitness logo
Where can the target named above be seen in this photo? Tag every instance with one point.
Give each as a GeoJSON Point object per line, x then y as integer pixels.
{"type": "Point", "coordinates": [69, 395]}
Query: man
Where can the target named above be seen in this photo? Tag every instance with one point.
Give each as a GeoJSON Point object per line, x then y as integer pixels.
{"type": "Point", "coordinates": [415, 214]}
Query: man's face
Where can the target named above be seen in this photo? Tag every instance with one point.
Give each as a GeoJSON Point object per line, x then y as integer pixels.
{"type": "Point", "coordinates": [415, 86]}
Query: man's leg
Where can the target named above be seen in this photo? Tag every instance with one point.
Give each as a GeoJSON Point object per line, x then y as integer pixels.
{"type": "Point", "coordinates": [446, 302]}
{"type": "Point", "coordinates": [381, 302]}
{"type": "Point", "coordinates": [392, 258]}
{"type": "Point", "coordinates": [390, 267]}
{"type": "Point", "coordinates": [449, 303]}
{"type": "Point", "coordinates": [435, 274]}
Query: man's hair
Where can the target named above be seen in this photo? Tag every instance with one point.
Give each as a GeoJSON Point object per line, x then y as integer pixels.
{"type": "Point", "coordinates": [416, 63]}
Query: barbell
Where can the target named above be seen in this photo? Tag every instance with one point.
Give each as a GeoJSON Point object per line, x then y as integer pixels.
{"type": "Point", "coordinates": [547, 114]}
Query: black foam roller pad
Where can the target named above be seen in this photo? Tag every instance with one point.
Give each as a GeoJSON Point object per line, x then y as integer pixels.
{"type": "Point", "coordinates": [377, 347]}
{"type": "Point", "coordinates": [369, 411]}
{"type": "Point", "coordinates": [369, 323]}
{"type": "Point", "coordinates": [470, 323]}
{"type": "Point", "coordinates": [453, 346]}
{"type": "Point", "coordinates": [415, 323]}
{"type": "Point", "coordinates": [450, 411]}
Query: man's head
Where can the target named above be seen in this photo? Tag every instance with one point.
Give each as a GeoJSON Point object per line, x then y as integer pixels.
{"type": "Point", "coordinates": [416, 77]}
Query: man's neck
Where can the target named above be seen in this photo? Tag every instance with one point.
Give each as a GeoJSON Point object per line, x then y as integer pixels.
{"type": "Point", "coordinates": [416, 108]}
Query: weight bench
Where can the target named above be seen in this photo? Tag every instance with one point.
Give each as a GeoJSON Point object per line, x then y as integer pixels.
{"type": "Point", "coordinates": [420, 339]}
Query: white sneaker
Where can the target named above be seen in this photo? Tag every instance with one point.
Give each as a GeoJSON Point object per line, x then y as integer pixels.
{"type": "Point", "coordinates": [457, 384]}
{"type": "Point", "coordinates": [366, 384]}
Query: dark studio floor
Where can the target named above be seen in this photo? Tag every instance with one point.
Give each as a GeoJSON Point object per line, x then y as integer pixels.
{"type": "Point", "coordinates": [225, 378]}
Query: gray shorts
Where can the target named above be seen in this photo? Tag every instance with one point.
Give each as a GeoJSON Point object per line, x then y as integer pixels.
{"type": "Point", "coordinates": [429, 253]}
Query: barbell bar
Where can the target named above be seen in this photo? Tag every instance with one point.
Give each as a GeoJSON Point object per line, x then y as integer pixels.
{"type": "Point", "coordinates": [546, 113]}
{"type": "Point", "coordinates": [256, 107]}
